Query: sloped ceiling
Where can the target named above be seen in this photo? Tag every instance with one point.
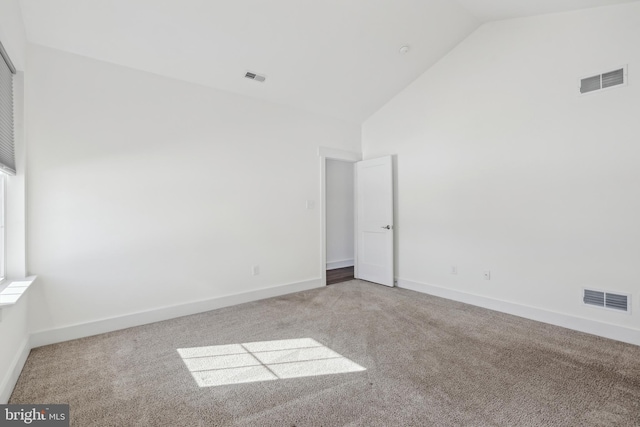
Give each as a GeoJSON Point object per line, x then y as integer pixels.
{"type": "Point", "coordinates": [335, 57]}
{"type": "Point", "coordinates": [492, 10]}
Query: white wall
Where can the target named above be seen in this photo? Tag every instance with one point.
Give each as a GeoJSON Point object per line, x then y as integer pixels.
{"type": "Point", "coordinates": [14, 332]}
{"type": "Point", "coordinates": [339, 205]}
{"type": "Point", "coordinates": [12, 32]}
{"type": "Point", "coordinates": [147, 192]}
{"type": "Point", "coordinates": [14, 335]}
{"type": "Point", "coordinates": [502, 166]}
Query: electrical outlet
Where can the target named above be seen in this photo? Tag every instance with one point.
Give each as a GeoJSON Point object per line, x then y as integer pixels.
{"type": "Point", "coordinates": [487, 275]}
{"type": "Point", "coordinates": [310, 204]}
{"type": "Point", "coordinates": [454, 269]}
{"type": "Point", "coordinates": [255, 270]}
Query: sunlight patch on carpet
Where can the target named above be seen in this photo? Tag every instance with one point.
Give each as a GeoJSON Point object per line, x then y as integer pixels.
{"type": "Point", "coordinates": [263, 361]}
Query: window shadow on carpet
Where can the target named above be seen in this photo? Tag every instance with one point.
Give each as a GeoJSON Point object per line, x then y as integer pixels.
{"type": "Point", "coordinates": [263, 361]}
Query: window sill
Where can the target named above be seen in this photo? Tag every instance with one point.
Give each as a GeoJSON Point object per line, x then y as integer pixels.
{"type": "Point", "coordinates": [11, 293]}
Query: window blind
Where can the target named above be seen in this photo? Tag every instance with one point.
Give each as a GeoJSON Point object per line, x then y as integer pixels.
{"type": "Point", "coordinates": [7, 70]}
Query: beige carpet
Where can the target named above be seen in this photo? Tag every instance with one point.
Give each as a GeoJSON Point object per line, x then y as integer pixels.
{"type": "Point", "coordinates": [427, 362]}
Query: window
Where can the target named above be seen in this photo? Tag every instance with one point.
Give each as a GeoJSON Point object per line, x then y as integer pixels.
{"type": "Point", "coordinates": [7, 157]}
{"type": "Point", "coordinates": [3, 257]}
{"type": "Point", "coordinates": [7, 70]}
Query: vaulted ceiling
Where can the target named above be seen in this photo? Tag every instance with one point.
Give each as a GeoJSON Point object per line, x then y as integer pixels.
{"type": "Point", "coordinates": [335, 57]}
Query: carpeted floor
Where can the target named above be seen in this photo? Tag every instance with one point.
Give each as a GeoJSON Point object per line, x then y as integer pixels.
{"type": "Point", "coordinates": [428, 361]}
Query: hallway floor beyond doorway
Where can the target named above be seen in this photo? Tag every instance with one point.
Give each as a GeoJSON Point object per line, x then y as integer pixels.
{"type": "Point", "coordinates": [339, 275]}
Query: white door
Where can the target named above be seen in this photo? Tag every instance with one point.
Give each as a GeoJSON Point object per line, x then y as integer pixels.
{"type": "Point", "coordinates": [374, 221]}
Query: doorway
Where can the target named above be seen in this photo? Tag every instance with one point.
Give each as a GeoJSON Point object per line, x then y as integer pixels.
{"type": "Point", "coordinates": [339, 211]}
{"type": "Point", "coordinates": [372, 254]}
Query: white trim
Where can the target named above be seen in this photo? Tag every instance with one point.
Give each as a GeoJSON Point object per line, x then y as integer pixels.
{"type": "Point", "coordinates": [607, 330]}
{"type": "Point", "coordinates": [3, 224]}
{"type": "Point", "coordinates": [336, 154]}
{"type": "Point", "coordinates": [10, 379]}
{"type": "Point", "coordinates": [356, 223]}
{"type": "Point", "coordinates": [82, 330]}
{"type": "Point", "coordinates": [333, 265]}
{"type": "Point", "coordinates": [323, 218]}
{"type": "Point", "coordinates": [13, 291]}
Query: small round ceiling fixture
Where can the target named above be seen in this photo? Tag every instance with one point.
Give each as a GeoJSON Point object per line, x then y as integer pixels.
{"type": "Point", "coordinates": [404, 49]}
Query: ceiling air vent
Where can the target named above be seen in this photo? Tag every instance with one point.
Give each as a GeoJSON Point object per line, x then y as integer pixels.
{"type": "Point", "coordinates": [604, 81]}
{"type": "Point", "coordinates": [254, 76]}
{"type": "Point", "coordinates": [608, 300]}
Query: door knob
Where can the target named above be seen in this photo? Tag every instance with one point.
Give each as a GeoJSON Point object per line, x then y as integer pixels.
{"type": "Point", "coordinates": [388, 227]}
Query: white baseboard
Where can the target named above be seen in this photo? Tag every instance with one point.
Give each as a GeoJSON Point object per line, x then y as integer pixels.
{"type": "Point", "coordinates": [10, 378]}
{"type": "Point", "coordinates": [340, 264]}
{"type": "Point", "coordinates": [72, 332]}
{"type": "Point", "coordinates": [607, 330]}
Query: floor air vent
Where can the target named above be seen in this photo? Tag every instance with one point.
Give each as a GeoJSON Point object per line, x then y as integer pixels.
{"type": "Point", "coordinates": [608, 300]}
{"type": "Point", "coordinates": [604, 81]}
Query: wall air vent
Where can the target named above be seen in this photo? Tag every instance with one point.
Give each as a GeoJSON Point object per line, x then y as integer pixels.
{"type": "Point", "coordinates": [608, 300]}
{"type": "Point", "coordinates": [603, 81]}
{"type": "Point", "coordinates": [254, 76]}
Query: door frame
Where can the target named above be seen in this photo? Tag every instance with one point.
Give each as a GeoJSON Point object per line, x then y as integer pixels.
{"type": "Point", "coordinates": [333, 154]}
